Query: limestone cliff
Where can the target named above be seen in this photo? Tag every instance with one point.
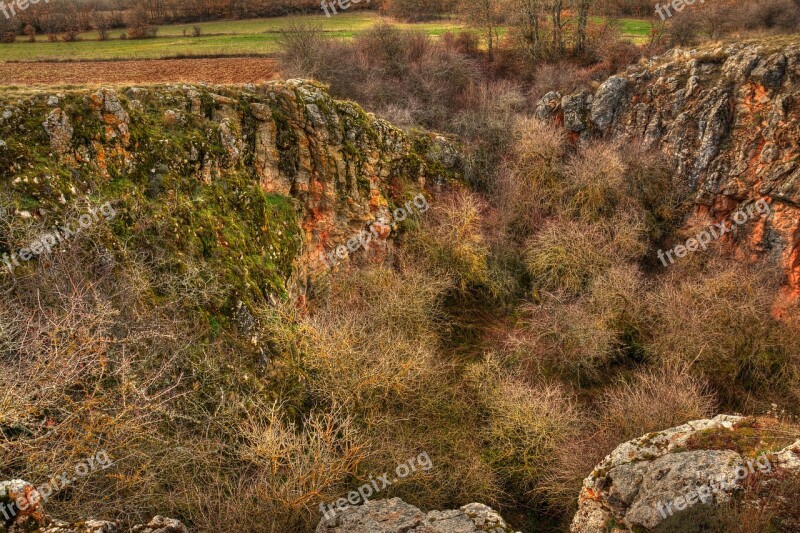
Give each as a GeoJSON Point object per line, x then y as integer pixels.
{"type": "Point", "coordinates": [258, 179]}
{"type": "Point", "coordinates": [728, 116]}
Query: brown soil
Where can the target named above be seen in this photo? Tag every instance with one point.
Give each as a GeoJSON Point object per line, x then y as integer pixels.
{"type": "Point", "coordinates": [217, 70]}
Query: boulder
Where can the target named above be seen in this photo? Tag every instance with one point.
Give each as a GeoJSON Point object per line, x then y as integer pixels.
{"type": "Point", "coordinates": [646, 481]}
{"type": "Point", "coordinates": [396, 516]}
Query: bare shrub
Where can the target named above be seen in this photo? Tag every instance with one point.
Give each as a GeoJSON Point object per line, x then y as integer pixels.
{"type": "Point", "coordinates": [70, 36]}
{"type": "Point", "coordinates": [564, 77]}
{"type": "Point", "coordinates": [568, 255]}
{"type": "Point", "coordinates": [780, 15]}
{"type": "Point", "coordinates": [369, 351]}
{"type": "Point", "coordinates": [719, 325]}
{"type": "Point", "coordinates": [595, 187]}
{"type": "Point", "coordinates": [73, 387]}
{"type": "Point", "coordinates": [538, 150]}
{"type": "Point", "coordinates": [305, 52]}
{"type": "Point", "coordinates": [139, 24]}
{"type": "Point", "coordinates": [651, 400]}
{"type": "Point", "coordinates": [30, 31]}
{"type": "Point", "coordinates": [526, 425]}
{"type": "Point", "coordinates": [577, 341]}
{"type": "Point", "coordinates": [464, 42]}
{"type": "Point", "coordinates": [487, 118]}
{"type": "Point", "coordinates": [451, 242]}
{"type": "Point", "coordinates": [651, 179]}
{"type": "Point", "coordinates": [300, 466]}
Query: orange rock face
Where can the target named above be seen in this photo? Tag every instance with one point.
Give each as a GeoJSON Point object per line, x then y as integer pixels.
{"type": "Point", "coordinates": [729, 120]}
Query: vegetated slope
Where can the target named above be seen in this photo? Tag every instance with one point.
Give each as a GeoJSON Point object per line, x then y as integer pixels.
{"type": "Point", "coordinates": [728, 118]}
{"type": "Point", "coordinates": [178, 336]}
{"type": "Point", "coordinates": [137, 335]}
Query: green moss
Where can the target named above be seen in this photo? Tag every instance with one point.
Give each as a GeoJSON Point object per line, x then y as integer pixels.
{"type": "Point", "coordinates": [287, 143]}
{"type": "Point", "coordinates": [751, 437]}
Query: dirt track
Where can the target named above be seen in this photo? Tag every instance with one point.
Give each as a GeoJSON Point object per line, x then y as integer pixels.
{"type": "Point", "coordinates": [218, 70]}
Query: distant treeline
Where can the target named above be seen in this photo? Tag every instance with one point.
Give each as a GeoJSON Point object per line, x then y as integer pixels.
{"type": "Point", "coordinates": [60, 16]}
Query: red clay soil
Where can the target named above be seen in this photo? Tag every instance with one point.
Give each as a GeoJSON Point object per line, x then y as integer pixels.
{"type": "Point", "coordinates": [217, 70]}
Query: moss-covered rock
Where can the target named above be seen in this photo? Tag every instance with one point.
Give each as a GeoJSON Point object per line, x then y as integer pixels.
{"type": "Point", "coordinates": [255, 182]}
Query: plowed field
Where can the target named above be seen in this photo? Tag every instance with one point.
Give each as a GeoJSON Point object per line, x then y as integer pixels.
{"type": "Point", "coordinates": [218, 70]}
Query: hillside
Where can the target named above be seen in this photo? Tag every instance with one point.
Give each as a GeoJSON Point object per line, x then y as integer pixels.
{"type": "Point", "coordinates": [263, 308]}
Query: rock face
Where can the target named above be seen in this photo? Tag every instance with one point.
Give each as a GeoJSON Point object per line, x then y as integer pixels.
{"type": "Point", "coordinates": [728, 117]}
{"type": "Point", "coordinates": [344, 168]}
{"type": "Point", "coordinates": [396, 516]}
{"type": "Point", "coordinates": [646, 481]}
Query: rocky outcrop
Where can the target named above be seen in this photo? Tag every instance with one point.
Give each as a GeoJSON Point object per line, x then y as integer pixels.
{"type": "Point", "coordinates": [396, 516]}
{"type": "Point", "coordinates": [655, 478]}
{"type": "Point", "coordinates": [344, 168]}
{"type": "Point", "coordinates": [23, 511]}
{"type": "Point", "coordinates": [729, 119]}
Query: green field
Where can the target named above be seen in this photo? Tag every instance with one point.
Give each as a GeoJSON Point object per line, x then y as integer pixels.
{"type": "Point", "coordinates": [228, 38]}
{"type": "Point", "coordinates": [635, 29]}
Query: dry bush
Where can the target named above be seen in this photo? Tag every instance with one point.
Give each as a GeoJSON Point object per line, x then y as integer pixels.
{"type": "Point", "coordinates": [305, 52]}
{"type": "Point", "coordinates": [765, 505]}
{"type": "Point", "coordinates": [576, 340]}
{"type": "Point", "coordinates": [30, 31]}
{"type": "Point", "coordinates": [451, 243]}
{"type": "Point", "coordinates": [564, 77]}
{"type": "Point", "coordinates": [780, 15]}
{"type": "Point", "coordinates": [595, 185]}
{"type": "Point", "coordinates": [571, 343]}
{"type": "Point", "coordinates": [617, 297]}
{"type": "Point", "coordinates": [395, 67]}
{"type": "Point", "coordinates": [651, 400]}
{"type": "Point", "coordinates": [370, 352]}
{"type": "Point", "coordinates": [684, 30]}
{"type": "Point", "coordinates": [719, 325]}
{"type": "Point", "coordinates": [525, 426]}
{"type": "Point", "coordinates": [538, 151]}
{"type": "Point", "coordinates": [74, 383]}
{"type": "Point", "coordinates": [651, 179]}
{"type": "Point", "coordinates": [568, 255]}
{"type": "Point", "coordinates": [607, 51]}
{"type": "Point", "coordinates": [485, 118]}
{"type": "Point", "coordinates": [297, 467]}
{"type": "Point", "coordinates": [464, 42]}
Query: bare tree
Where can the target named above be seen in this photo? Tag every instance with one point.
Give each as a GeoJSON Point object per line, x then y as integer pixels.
{"type": "Point", "coordinates": [583, 22]}
{"type": "Point", "coordinates": [486, 15]}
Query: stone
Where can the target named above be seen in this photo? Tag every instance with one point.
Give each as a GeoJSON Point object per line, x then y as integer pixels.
{"type": "Point", "coordinates": [548, 106]}
{"type": "Point", "coordinates": [644, 481]}
{"type": "Point", "coordinates": [576, 111]}
{"type": "Point", "coordinates": [607, 101]}
{"type": "Point", "coordinates": [59, 128]}
{"type": "Point", "coordinates": [161, 524]}
{"type": "Point", "coordinates": [21, 520]}
{"type": "Point", "coordinates": [396, 516]}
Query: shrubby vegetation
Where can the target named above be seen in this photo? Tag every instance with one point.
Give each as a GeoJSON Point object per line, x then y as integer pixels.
{"type": "Point", "coordinates": [516, 334]}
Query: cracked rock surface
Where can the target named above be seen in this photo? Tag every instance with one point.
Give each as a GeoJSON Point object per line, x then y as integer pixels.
{"type": "Point", "coordinates": [647, 480]}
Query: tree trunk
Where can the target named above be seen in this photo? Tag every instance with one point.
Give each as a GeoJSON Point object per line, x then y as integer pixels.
{"type": "Point", "coordinates": [583, 21]}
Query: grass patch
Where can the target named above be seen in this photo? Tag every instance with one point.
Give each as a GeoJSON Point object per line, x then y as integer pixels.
{"type": "Point", "coordinates": [236, 38]}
